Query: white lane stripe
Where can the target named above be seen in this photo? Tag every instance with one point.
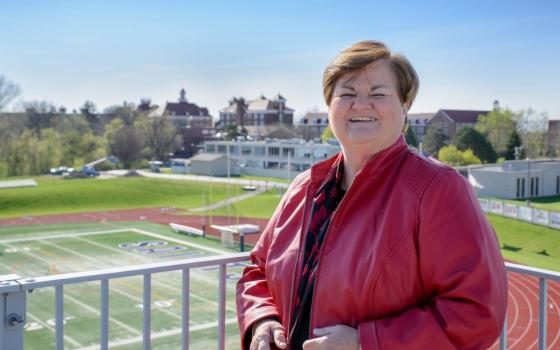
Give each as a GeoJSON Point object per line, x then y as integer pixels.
{"type": "Point", "coordinates": [157, 335]}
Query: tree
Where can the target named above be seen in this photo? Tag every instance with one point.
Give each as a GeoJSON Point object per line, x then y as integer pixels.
{"type": "Point", "coordinates": [455, 157]}
{"type": "Point", "coordinates": [161, 136]}
{"type": "Point", "coordinates": [497, 127]}
{"type": "Point", "coordinates": [124, 141]}
{"type": "Point", "coordinates": [534, 130]}
{"type": "Point", "coordinates": [327, 134]}
{"type": "Point", "coordinates": [8, 92]}
{"type": "Point", "coordinates": [469, 138]}
{"type": "Point", "coordinates": [39, 115]}
{"type": "Point", "coordinates": [410, 137]}
{"type": "Point", "coordinates": [513, 143]}
{"type": "Point", "coordinates": [434, 139]}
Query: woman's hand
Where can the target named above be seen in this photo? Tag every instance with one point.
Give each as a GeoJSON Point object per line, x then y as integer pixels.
{"type": "Point", "coordinates": [267, 331]}
{"type": "Point", "coordinates": [337, 337]}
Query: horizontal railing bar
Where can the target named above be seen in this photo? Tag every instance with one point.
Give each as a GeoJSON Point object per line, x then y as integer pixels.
{"type": "Point", "coordinates": [97, 275]}
{"type": "Point", "coordinates": [119, 272]}
{"type": "Point", "coordinates": [533, 271]}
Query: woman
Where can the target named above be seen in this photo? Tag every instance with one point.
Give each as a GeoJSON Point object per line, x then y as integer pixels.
{"type": "Point", "coordinates": [377, 247]}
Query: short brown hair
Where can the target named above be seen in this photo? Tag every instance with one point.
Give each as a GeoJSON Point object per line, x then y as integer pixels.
{"type": "Point", "coordinates": [363, 53]}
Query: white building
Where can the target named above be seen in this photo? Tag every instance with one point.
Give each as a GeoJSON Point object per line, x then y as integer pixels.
{"type": "Point", "coordinates": [273, 158]}
{"type": "Point", "coordinates": [517, 179]}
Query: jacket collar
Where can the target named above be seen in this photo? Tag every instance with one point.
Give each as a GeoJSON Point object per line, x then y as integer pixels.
{"type": "Point", "coordinates": [379, 161]}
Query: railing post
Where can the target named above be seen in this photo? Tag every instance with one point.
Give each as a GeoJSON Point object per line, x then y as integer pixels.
{"type": "Point", "coordinates": [13, 312]}
{"type": "Point", "coordinates": [503, 335]}
{"type": "Point", "coordinates": [542, 313]}
{"type": "Point", "coordinates": [222, 309]}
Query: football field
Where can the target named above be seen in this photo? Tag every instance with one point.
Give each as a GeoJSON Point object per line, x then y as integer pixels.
{"type": "Point", "coordinates": [39, 250]}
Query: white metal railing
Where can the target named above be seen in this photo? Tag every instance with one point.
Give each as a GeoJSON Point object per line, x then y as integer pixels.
{"type": "Point", "coordinates": [14, 290]}
{"type": "Point", "coordinates": [543, 276]}
{"type": "Point", "coordinates": [14, 303]}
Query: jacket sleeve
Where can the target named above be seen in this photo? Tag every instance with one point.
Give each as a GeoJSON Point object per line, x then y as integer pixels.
{"type": "Point", "coordinates": [462, 272]}
{"type": "Point", "coordinates": [253, 299]}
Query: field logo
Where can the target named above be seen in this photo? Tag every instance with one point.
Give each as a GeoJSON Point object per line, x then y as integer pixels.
{"type": "Point", "coordinates": [151, 247]}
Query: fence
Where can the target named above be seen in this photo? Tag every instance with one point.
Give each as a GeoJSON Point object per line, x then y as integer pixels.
{"type": "Point", "coordinates": [14, 299]}
{"type": "Point", "coordinates": [521, 212]}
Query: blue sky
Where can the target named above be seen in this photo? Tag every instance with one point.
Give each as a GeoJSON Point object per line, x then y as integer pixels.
{"type": "Point", "coordinates": [466, 53]}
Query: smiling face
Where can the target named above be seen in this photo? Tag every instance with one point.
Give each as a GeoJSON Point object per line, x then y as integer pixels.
{"type": "Point", "coordinates": [365, 112]}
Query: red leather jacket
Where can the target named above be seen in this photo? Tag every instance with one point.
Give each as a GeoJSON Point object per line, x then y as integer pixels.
{"type": "Point", "coordinates": [409, 259]}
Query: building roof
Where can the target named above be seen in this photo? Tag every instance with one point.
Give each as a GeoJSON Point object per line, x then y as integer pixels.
{"type": "Point", "coordinates": [463, 116]}
{"type": "Point", "coordinates": [420, 116]}
{"type": "Point", "coordinates": [207, 157]}
{"type": "Point", "coordinates": [261, 103]}
{"type": "Point", "coordinates": [185, 108]}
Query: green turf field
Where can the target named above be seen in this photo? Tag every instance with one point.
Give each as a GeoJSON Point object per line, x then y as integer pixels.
{"type": "Point", "coordinates": [54, 249]}
{"type": "Point", "coordinates": [56, 195]}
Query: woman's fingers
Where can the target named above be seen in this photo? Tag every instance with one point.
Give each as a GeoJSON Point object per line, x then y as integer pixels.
{"type": "Point", "coordinates": [280, 337]}
{"type": "Point", "coordinates": [266, 332]}
{"type": "Point", "coordinates": [264, 345]}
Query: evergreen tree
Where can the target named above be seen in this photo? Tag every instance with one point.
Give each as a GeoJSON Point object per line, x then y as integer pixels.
{"type": "Point", "coordinates": [513, 142]}
{"type": "Point", "coordinates": [410, 137]}
{"type": "Point", "coordinates": [469, 138]}
{"type": "Point", "coordinates": [434, 139]}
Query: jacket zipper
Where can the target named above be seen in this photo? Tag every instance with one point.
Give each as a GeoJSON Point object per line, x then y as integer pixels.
{"type": "Point", "coordinates": [302, 235]}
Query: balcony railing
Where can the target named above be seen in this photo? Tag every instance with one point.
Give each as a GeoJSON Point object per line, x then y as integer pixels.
{"type": "Point", "coordinates": [14, 294]}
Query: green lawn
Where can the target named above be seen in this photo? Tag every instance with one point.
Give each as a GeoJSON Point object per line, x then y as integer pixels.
{"type": "Point", "coordinates": [261, 206]}
{"type": "Point", "coordinates": [532, 239]}
{"type": "Point", "coordinates": [551, 203]}
{"type": "Point", "coordinates": [56, 195]}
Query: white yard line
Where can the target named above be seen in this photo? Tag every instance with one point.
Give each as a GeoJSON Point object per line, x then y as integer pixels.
{"type": "Point", "coordinates": [51, 328]}
{"type": "Point", "coordinates": [163, 285]}
{"type": "Point", "coordinates": [67, 235]}
{"type": "Point", "coordinates": [114, 289]}
{"type": "Point", "coordinates": [118, 291]}
{"type": "Point", "coordinates": [67, 295]}
{"type": "Point", "coordinates": [157, 335]}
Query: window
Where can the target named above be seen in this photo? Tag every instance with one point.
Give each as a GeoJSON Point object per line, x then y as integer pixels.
{"type": "Point", "coordinates": [537, 187]}
{"type": "Point", "coordinates": [532, 186]}
{"type": "Point", "coordinates": [518, 185]}
{"type": "Point", "coordinates": [233, 150]}
{"type": "Point", "coordinates": [286, 151]}
{"type": "Point", "coordinates": [274, 151]}
{"type": "Point", "coordinates": [557, 184]}
{"type": "Point", "coordinates": [246, 150]}
{"type": "Point", "coordinates": [222, 149]}
{"type": "Point", "coordinates": [259, 151]}
{"type": "Point", "coordinates": [210, 149]}
{"type": "Point", "coordinates": [523, 188]}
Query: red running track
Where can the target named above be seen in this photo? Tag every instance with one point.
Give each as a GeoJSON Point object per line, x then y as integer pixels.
{"type": "Point", "coordinates": [523, 305]}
